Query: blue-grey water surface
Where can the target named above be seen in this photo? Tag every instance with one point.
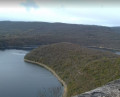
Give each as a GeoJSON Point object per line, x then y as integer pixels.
{"type": "Point", "coordinates": [21, 79]}
{"type": "Point", "coordinates": [118, 53]}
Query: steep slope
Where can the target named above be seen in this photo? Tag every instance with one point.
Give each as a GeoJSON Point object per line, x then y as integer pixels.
{"type": "Point", "coordinates": [81, 68]}
{"type": "Point", "coordinates": [40, 33]}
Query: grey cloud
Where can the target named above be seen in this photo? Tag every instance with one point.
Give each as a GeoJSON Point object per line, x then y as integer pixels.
{"type": "Point", "coordinates": [30, 4]}
{"type": "Point", "coordinates": [72, 3]}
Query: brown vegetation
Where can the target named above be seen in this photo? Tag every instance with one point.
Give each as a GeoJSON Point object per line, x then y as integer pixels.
{"type": "Point", "coordinates": [40, 33]}
{"type": "Point", "coordinates": [81, 68]}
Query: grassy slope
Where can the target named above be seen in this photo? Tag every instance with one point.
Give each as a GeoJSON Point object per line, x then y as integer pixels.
{"type": "Point", "coordinates": [81, 68]}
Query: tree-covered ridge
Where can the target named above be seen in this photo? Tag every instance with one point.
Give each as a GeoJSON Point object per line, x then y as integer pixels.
{"type": "Point", "coordinates": [40, 33]}
{"type": "Point", "coordinates": [81, 68]}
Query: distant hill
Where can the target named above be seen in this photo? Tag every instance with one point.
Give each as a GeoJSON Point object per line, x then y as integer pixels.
{"type": "Point", "coordinates": [116, 29]}
{"type": "Point", "coordinates": [39, 33]}
{"type": "Point", "coordinates": [81, 68]}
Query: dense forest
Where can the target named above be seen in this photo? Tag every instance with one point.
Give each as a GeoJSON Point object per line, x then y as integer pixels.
{"type": "Point", "coordinates": [17, 34]}
{"type": "Point", "coordinates": [81, 68]}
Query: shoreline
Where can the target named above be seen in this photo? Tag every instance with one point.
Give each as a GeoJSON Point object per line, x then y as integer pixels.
{"type": "Point", "coordinates": [19, 47]}
{"type": "Point", "coordinates": [53, 72]}
{"type": "Point", "coordinates": [104, 48]}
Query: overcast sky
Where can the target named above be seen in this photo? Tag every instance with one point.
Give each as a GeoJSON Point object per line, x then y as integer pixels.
{"type": "Point", "coordinates": [93, 12]}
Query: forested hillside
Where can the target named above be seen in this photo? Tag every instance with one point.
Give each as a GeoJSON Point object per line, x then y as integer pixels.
{"type": "Point", "coordinates": [38, 33]}
{"type": "Point", "coordinates": [81, 68]}
{"type": "Point", "coordinates": [116, 29]}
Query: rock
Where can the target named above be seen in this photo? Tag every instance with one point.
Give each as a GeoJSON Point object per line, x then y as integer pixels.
{"type": "Point", "coordinates": [111, 89]}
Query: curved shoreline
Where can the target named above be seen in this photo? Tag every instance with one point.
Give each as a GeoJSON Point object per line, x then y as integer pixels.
{"type": "Point", "coordinates": [53, 72]}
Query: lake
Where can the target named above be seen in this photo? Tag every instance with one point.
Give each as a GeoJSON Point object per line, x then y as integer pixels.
{"type": "Point", "coordinates": [118, 53]}
{"type": "Point", "coordinates": [21, 79]}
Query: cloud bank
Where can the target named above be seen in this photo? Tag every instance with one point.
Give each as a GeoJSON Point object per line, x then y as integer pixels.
{"type": "Point", "coordinates": [65, 11]}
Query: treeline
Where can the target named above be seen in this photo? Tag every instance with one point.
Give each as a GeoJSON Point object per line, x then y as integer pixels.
{"type": "Point", "coordinates": [81, 68]}
{"type": "Point", "coordinates": [39, 33]}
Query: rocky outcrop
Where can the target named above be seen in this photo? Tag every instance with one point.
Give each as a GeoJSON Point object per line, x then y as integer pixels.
{"type": "Point", "coordinates": [111, 89]}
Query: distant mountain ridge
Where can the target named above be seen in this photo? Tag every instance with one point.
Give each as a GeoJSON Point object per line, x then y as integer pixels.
{"type": "Point", "coordinates": [40, 33]}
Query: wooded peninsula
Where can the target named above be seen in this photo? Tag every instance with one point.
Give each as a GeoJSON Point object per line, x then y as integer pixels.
{"type": "Point", "coordinates": [81, 68]}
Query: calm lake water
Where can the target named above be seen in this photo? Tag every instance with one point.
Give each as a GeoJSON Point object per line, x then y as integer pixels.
{"type": "Point", "coordinates": [118, 53]}
{"type": "Point", "coordinates": [21, 79]}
